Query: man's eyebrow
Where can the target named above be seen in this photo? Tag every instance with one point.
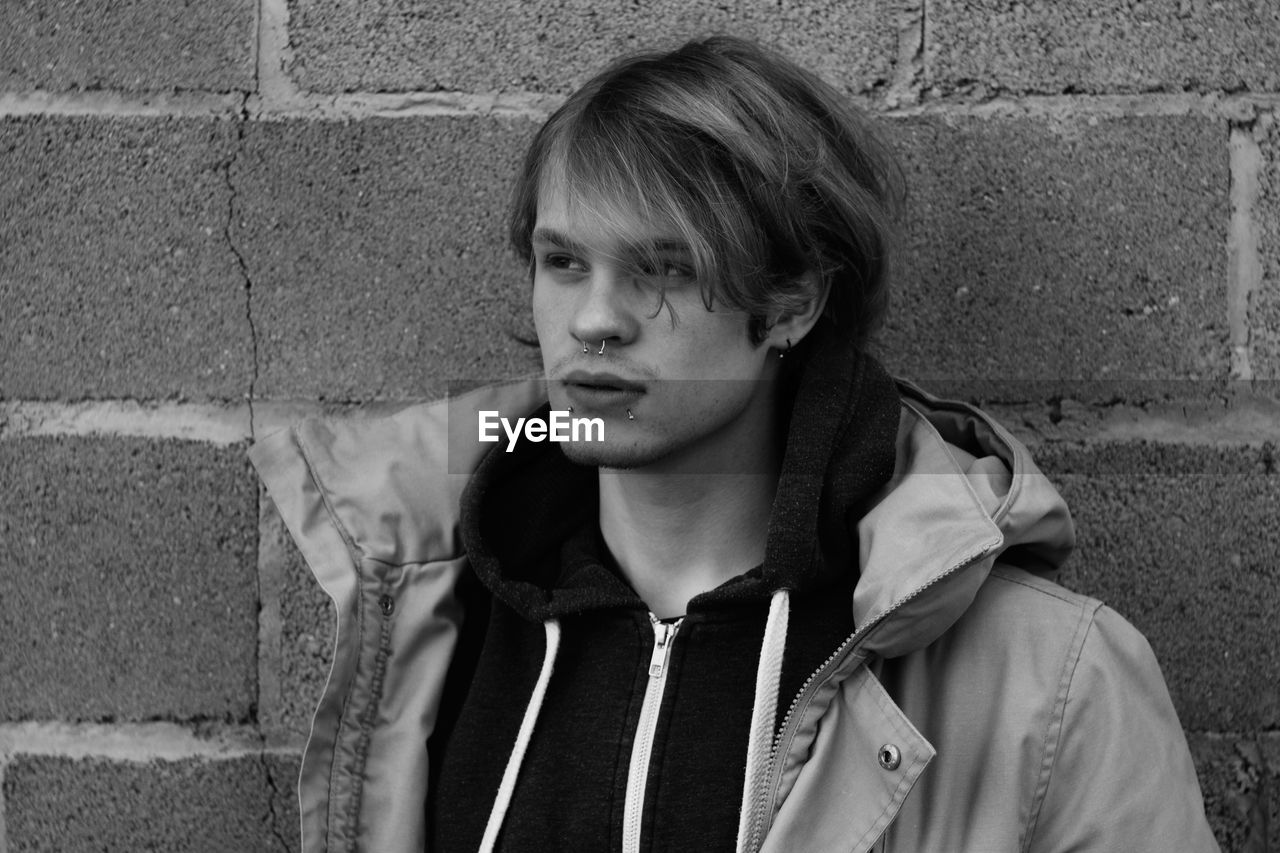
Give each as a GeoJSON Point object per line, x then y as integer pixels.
{"type": "Point", "coordinates": [638, 248]}
{"type": "Point", "coordinates": [558, 238]}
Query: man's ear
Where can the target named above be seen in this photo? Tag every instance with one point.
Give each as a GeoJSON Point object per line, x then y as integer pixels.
{"type": "Point", "coordinates": [789, 327]}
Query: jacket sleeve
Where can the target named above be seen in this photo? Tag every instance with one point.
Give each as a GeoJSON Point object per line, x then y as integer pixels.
{"type": "Point", "coordinates": [1120, 776]}
{"type": "Point", "coordinates": [373, 507]}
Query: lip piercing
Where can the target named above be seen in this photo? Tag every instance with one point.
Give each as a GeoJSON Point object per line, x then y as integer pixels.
{"type": "Point", "coordinates": [601, 347]}
{"type": "Point", "coordinates": [630, 416]}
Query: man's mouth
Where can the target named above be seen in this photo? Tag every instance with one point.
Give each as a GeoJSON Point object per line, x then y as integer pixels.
{"type": "Point", "coordinates": [590, 389]}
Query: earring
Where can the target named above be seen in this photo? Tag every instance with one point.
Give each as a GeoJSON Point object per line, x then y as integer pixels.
{"type": "Point", "coordinates": [601, 347]}
{"type": "Point", "coordinates": [783, 353]}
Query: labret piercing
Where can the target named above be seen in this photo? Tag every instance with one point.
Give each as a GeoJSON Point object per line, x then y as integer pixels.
{"type": "Point", "coordinates": [630, 416]}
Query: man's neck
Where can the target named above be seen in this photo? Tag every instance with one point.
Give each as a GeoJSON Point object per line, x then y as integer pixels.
{"type": "Point", "coordinates": [678, 535]}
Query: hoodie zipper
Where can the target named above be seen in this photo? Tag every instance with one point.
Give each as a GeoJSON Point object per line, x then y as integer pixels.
{"type": "Point", "coordinates": [773, 771]}
{"type": "Point", "coordinates": [664, 634]}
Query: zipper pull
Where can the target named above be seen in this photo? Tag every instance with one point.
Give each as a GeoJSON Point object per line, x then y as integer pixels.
{"type": "Point", "coordinates": [663, 634]}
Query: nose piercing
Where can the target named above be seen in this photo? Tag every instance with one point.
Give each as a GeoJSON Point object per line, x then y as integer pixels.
{"type": "Point", "coordinates": [601, 347]}
{"type": "Point", "coordinates": [584, 346]}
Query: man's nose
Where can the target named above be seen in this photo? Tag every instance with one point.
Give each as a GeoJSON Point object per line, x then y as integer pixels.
{"type": "Point", "coordinates": [605, 310]}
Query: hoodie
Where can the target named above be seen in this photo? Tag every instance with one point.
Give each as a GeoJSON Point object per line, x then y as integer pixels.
{"type": "Point", "coordinates": [601, 768]}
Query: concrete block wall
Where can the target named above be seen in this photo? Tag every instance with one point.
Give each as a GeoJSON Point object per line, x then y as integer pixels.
{"type": "Point", "coordinates": [217, 218]}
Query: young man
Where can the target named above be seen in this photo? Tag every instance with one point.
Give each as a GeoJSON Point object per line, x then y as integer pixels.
{"type": "Point", "coordinates": [777, 602]}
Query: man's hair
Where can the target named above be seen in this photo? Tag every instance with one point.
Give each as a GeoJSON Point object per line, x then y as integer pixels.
{"type": "Point", "coordinates": [766, 171]}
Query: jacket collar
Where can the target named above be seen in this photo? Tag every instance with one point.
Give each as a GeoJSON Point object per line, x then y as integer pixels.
{"type": "Point", "coordinates": [963, 491]}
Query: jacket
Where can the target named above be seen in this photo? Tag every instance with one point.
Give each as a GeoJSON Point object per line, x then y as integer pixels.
{"type": "Point", "coordinates": [978, 706]}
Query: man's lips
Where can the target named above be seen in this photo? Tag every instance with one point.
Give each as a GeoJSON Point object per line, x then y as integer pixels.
{"type": "Point", "coordinates": [591, 381]}
{"type": "Point", "coordinates": [588, 390]}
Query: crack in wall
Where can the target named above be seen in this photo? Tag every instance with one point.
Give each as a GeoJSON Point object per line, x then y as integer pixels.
{"type": "Point", "coordinates": [4, 833]}
{"type": "Point", "coordinates": [273, 791]}
{"type": "Point", "coordinates": [242, 120]}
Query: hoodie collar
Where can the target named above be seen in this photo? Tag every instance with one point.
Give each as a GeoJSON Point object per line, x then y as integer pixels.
{"type": "Point", "coordinates": [520, 507]}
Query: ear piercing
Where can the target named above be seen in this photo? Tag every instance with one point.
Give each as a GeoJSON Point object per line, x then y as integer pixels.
{"type": "Point", "coordinates": [783, 353]}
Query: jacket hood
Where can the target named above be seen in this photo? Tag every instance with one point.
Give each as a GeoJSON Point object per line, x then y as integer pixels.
{"type": "Point", "coordinates": [964, 493]}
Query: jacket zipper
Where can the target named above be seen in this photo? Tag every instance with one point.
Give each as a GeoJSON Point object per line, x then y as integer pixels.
{"type": "Point", "coordinates": [641, 749]}
{"type": "Point", "coordinates": [773, 771]}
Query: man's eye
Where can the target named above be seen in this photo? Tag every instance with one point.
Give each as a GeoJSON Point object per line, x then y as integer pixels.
{"type": "Point", "coordinates": [670, 271]}
{"type": "Point", "coordinates": [566, 263]}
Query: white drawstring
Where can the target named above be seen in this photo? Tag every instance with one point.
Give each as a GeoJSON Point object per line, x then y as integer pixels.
{"type": "Point", "coordinates": [764, 713]}
{"type": "Point", "coordinates": [509, 776]}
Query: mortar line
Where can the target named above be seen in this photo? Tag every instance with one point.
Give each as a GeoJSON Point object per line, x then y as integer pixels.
{"type": "Point", "coordinates": [212, 423]}
{"type": "Point", "coordinates": [924, 45]}
{"type": "Point", "coordinates": [188, 104]}
{"type": "Point", "coordinates": [1214, 105]}
{"type": "Point", "coordinates": [271, 560]}
{"type": "Point", "coordinates": [1249, 421]}
{"type": "Point", "coordinates": [1244, 261]}
{"type": "Point", "coordinates": [275, 89]}
{"type": "Point", "coordinates": [277, 99]}
{"type": "Point", "coordinates": [257, 45]}
{"type": "Point", "coordinates": [905, 87]}
{"type": "Point", "coordinates": [269, 569]}
{"type": "Point", "coordinates": [136, 742]}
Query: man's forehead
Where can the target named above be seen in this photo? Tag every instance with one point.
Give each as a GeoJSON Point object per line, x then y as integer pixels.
{"type": "Point", "coordinates": [595, 221]}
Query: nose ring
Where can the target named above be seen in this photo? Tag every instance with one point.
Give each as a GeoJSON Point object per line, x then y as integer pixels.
{"type": "Point", "coordinates": [584, 346]}
{"type": "Point", "coordinates": [601, 347]}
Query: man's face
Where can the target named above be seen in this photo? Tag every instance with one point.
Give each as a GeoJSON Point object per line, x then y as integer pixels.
{"type": "Point", "coordinates": [679, 387]}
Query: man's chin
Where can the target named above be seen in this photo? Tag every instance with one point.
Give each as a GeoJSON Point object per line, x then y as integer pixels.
{"type": "Point", "coordinates": [604, 455]}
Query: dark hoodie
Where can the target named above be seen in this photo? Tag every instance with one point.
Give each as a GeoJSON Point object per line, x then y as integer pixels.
{"type": "Point", "coordinates": [530, 529]}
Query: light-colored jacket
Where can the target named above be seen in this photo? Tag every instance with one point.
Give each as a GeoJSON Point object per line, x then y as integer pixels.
{"type": "Point", "coordinates": [978, 707]}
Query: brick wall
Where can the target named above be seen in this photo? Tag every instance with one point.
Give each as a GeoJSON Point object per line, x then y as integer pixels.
{"type": "Point", "coordinates": [217, 217]}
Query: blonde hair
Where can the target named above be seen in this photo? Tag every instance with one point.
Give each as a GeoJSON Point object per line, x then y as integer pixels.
{"type": "Point", "coordinates": [768, 173]}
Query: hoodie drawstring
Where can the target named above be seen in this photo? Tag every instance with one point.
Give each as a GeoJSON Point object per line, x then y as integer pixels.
{"type": "Point", "coordinates": [764, 712]}
{"type": "Point", "coordinates": [763, 719]}
{"type": "Point", "coordinates": [509, 776]}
